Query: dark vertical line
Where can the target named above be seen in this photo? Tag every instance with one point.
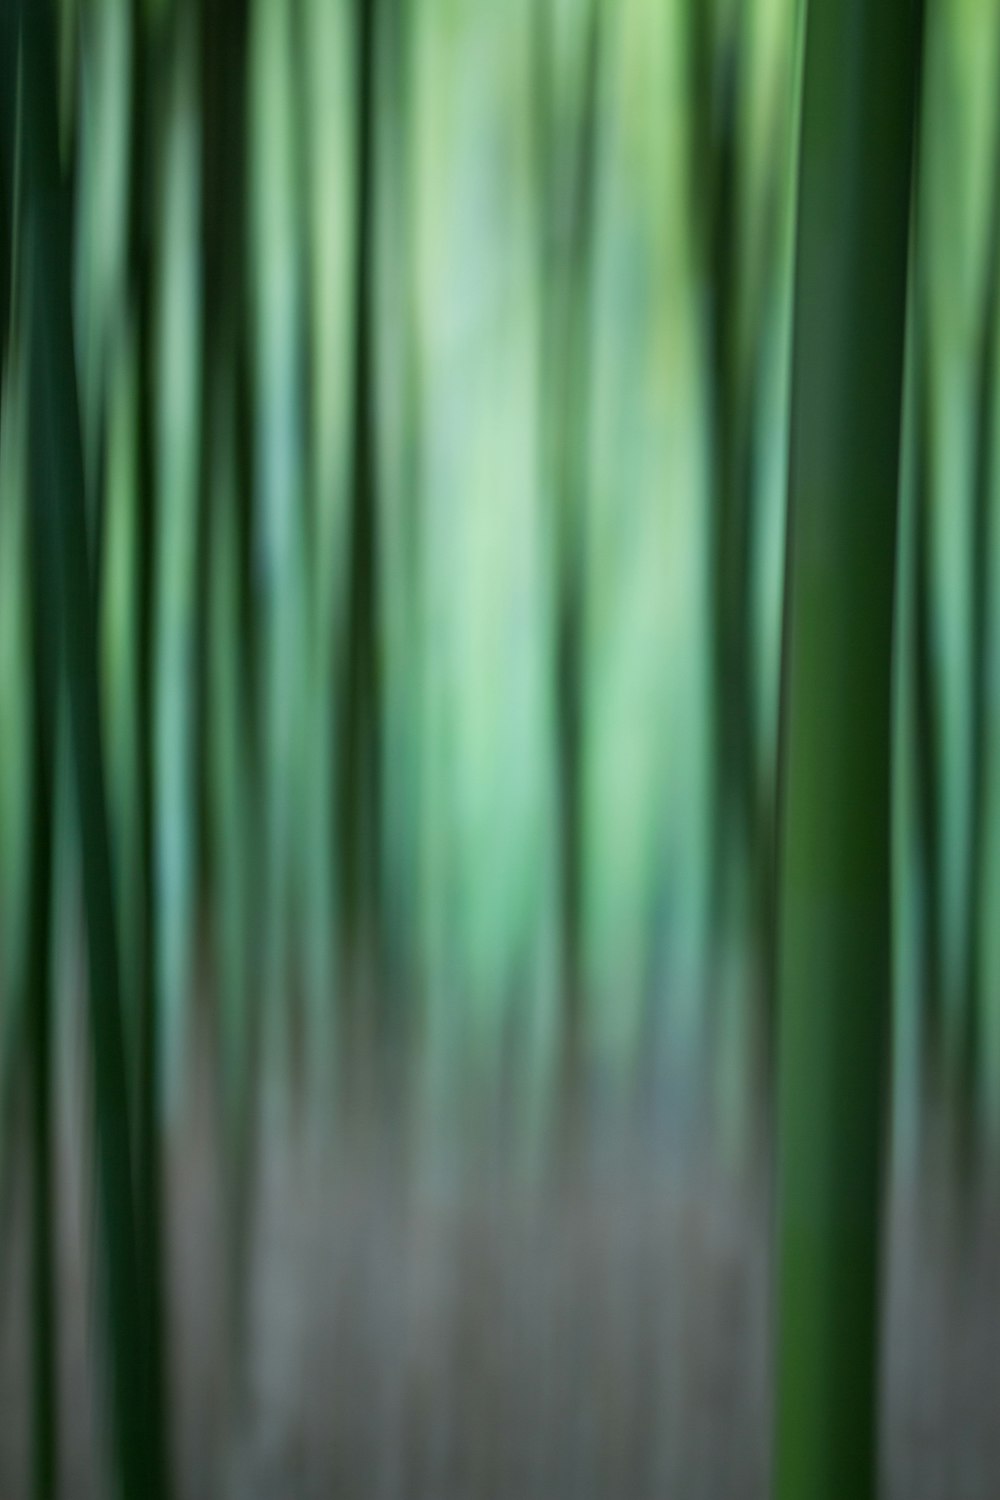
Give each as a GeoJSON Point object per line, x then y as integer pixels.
{"type": "Point", "coordinates": [573, 377]}
{"type": "Point", "coordinates": [148, 1163]}
{"type": "Point", "coordinates": [736, 315]}
{"type": "Point", "coordinates": [925, 696]}
{"type": "Point", "coordinates": [11, 229]}
{"type": "Point", "coordinates": [8, 133]}
{"type": "Point", "coordinates": [227, 409]}
{"type": "Point", "coordinates": [306, 339]}
{"type": "Point", "coordinates": [223, 41]}
{"type": "Point", "coordinates": [361, 749]}
{"type": "Point", "coordinates": [38, 1010]}
{"type": "Point", "coordinates": [403, 90]}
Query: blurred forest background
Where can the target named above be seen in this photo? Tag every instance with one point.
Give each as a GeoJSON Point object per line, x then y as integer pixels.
{"type": "Point", "coordinates": [433, 369]}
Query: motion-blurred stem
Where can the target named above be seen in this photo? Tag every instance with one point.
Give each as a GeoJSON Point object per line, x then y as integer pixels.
{"type": "Point", "coordinates": [38, 1011]}
{"type": "Point", "coordinates": [981, 625]}
{"type": "Point", "coordinates": [226, 407]}
{"type": "Point", "coordinates": [63, 588]}
{"type": "Point", "coordinates": [860, 89]}
{"type": "Point", "coordinates": [148, 1163]}
{"type": "Point", "coordinates": [925, 686]}
{"type": "Point", "coordinates": [360, 751]}
{"type": "Point", "coordinates": [8, 133]}
{"type": "Point", "coordinates": [566, 260]}
{"type": "Point", "coordinates": [737, 309]}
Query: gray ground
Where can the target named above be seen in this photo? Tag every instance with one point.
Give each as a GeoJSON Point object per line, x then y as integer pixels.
{"type": "Point", "coordinates": [460, 1321]}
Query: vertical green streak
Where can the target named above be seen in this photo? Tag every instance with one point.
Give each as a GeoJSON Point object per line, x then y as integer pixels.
{"type": "Point", "coordinates": [571, 541]}
{"type": "Point", "coordinates": [8, 132]}
{"type": "Point", "coordinates": [38, 1011]}
{"type": "Point", "coordinates": [716, 81]}
{"type": "Point", "coordinates": [64, 593]}
{"type": "Point", "coordinates": [226, 407]}
{"type": "Point", "coordinates": [303, 150]}
{"type": "Point", "coordinates": [566, 231]}
{"type": "Point", "coordinates": [861, 67]}
{"type": "Point", "coordinates": [361, 747]}
{"type": "Point", "coordinates": [408, 805]}
{"type": "Point", "coordinates": [148, 1165]}
{"type": "Point", "coordinates": [10, 1020]}
{"type": "Point", "coordinates": [926, 701]}
{"type": "Point", "coordinates": [223, 42]}
{"type": "Point", "coordinates": [737, 305]}
{"type": "Point", "coordinates": [982, 543]}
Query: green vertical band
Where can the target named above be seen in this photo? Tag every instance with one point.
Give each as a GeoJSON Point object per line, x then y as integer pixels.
{"type": "Point", "coordinates": [860, 83]}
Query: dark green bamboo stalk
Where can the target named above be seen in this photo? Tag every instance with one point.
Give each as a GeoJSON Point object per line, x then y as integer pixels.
{"type": "Point", "coordinates": [860, 83]}
{"type": "Point", "coordinates": [10, 1032]}
{"type": "Point", "coordinates": [227, 338]}
{"type": "Point", "coordinates": [926, 705]}
{"type": "Point", "coordinates": [8, 135]}
{"type": "Point", "coordinates": [95, 402]}
{"type": "Point", "coordinates": [736, 316]}
{"type": "Point", "coordinates": [732, 696]}
{"type": "Point", "coordinates": [305, 345]}
{"type": "Point", "coordinates": [11, 226]}
{"type": "Point", "coordinates": [360, 799]}
{"type": "Point", "coordinates": [148, 1156]}
{"type": "Point", "coordinates": [304, 148]}
{"type": "Point", "coordinates": [570, 537]}
{"type": "Point", "coordinates": [38, 1011]}
{"type": "Point", "coordinates": [566, 230]}
{"type": "Point", "coordinates": [401, 91]}
{"type": "Point", "coordinates": [64, 595]}
{"type": "Point", "coordinates": [227, 407]}
{"type": "Point", "coordinates": [714, 82]}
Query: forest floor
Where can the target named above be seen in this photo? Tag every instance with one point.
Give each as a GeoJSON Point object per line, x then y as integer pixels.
{"type": "Point", "coordinates": [463, 1321]}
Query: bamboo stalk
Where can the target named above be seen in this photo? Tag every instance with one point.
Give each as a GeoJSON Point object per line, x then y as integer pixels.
{"type": "Point", "coordinates": [565, 262]}
{"type": "Point", "coordinates": [8, 125]}
{"type": "Point", "coordinates": [63, 587]}
{"type": "Point", "coordinates": [8, 136]}
{"type": "Point", "coordinates": [38, 1013]}
{"type": "Point", "coordinates": [926, 700]}
{"type": "Point", "coordinates": [981, 540]}
{"type": "Point", "coordinates": [227, 409]}
{"type": "Point", "coordinates": [860, 88]}
{"type": "Point", "coordinates": [148, 1148]}
{"type": "Point", "coordinates": [360, 751]}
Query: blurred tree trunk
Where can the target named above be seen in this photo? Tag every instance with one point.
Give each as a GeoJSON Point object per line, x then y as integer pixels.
{"type": "Point", "coordinates": [360, 750]}
{"type": "Point", "coordinates": [63, 586]}
{"type": "Point", "coordinates": [860, 82]}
